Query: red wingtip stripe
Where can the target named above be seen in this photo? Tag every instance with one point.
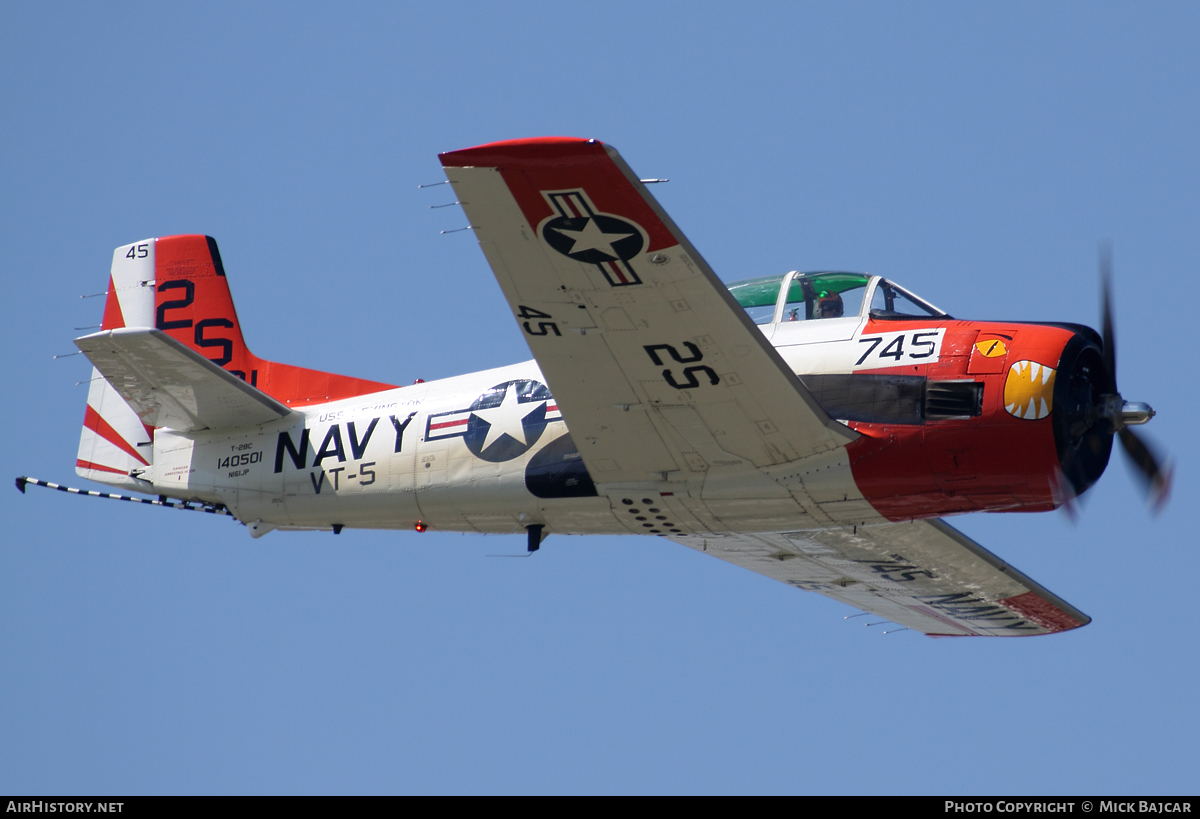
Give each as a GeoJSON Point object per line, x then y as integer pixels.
{"type": "Point", "coordinates": [534, 151]}
{"type": "Point", "coordinates": [95, 422]}
{"type": "Point", "coordinates": [531, 168]}
{"type": "Point", "coordinates": [1041, 611]}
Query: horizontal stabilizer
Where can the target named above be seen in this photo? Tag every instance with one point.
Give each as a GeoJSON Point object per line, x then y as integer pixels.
{"type": "Point", "coordinates": [169, 385]}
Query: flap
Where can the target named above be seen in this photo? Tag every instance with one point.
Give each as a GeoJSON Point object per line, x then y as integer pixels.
{"type": "Point", "coordinates": [169, 385]}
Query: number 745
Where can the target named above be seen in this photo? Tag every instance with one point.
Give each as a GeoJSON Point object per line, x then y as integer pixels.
{"type": "Point", "coordinates": [921, 344]}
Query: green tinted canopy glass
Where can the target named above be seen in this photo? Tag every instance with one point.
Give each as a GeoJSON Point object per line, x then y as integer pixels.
{"type": "Point", "coordinates": [822, 283]}
{"type": "Point", "coordinates": [760, 292]}
{"type": "Point", "coordinates": [764, 290]}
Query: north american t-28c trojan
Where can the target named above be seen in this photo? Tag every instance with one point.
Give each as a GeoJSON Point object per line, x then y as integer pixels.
{"type": "Point", "coordinates": [812, 427]}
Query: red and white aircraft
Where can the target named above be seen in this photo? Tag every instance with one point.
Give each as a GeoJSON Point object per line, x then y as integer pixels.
{"type": "Point", "coordinates": [812, 427]}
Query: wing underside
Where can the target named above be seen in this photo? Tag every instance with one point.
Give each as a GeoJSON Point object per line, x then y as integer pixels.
{"type": "Point", "coordinates": [923, 575]}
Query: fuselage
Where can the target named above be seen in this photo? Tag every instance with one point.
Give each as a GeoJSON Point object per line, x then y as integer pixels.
{"type": "Point", "coordinates": [954, 416]}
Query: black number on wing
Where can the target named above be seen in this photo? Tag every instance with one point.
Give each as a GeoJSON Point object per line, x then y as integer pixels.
{"type": "Point", "coordinates": [690, 373]}
{"type": "Point", "coordinates": [544, 327]}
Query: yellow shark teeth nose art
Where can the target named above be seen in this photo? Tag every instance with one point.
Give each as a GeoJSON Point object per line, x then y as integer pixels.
{"type": "Point", "coordinates": [1029, 390]}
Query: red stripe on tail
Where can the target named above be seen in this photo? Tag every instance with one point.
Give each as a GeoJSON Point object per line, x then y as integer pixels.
{"type": "Point", "coordinates": [113, 318]}
{"type": "Point", "coordinates": [95, 422]}
{"type": "Point", "coordinates": [82, 464]}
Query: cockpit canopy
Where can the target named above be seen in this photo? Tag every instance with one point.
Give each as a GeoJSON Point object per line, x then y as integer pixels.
{"type": "Point", "coordinates": [799, 296]}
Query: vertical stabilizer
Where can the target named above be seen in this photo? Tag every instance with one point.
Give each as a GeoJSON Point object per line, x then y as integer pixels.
{"type": "Point", "coordinates": [193, 305]}
{"type": "Point", "coordinates": [177, 284]}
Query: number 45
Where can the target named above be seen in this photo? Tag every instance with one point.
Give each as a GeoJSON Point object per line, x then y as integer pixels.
{"type": "Point", "coordinates": [544, 327]}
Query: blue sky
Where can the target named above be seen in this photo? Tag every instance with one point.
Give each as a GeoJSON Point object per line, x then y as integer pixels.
{"type": "Point", "coordinates": [974, 153]}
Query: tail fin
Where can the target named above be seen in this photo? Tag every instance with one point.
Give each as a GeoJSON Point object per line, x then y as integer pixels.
{"type": "Point", "coordinates": [177, 285]}
{"type": "Point", "coordinates": [192, 304]}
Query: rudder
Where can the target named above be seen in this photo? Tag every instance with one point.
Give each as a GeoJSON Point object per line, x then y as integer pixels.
{"type": "Point", "coordinates": [115, 447]}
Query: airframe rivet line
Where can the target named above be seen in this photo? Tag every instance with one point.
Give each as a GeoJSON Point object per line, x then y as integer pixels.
{"type": "Point", "coordinates": [212, 509]}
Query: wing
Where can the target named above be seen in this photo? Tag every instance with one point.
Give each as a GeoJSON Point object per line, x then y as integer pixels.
{"type": "Point", "coordinates": [924, 575]}
{"type": "Point", "coordinates": [169, 385]}
{"type": "Point", "coordinates": [656, 369]}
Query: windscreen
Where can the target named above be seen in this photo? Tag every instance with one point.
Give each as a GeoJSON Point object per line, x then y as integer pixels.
{"type": "Point", "coordinates": [891, 301]}
{"type": "Point", "coordinates": [814, 296]}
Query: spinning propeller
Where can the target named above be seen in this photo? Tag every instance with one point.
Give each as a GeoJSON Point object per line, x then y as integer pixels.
{"type": "Point", "coordinates": [1118, 414]}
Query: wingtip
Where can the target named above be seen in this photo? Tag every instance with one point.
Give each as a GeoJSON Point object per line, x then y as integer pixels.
{"type": "Point", "coordinates": [21, 481]}
{"type": "Point", "coordinates": [535, 150]}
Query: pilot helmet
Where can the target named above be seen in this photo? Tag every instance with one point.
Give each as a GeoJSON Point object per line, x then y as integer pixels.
{"type": "Point", "coordinates": [829, 305]}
